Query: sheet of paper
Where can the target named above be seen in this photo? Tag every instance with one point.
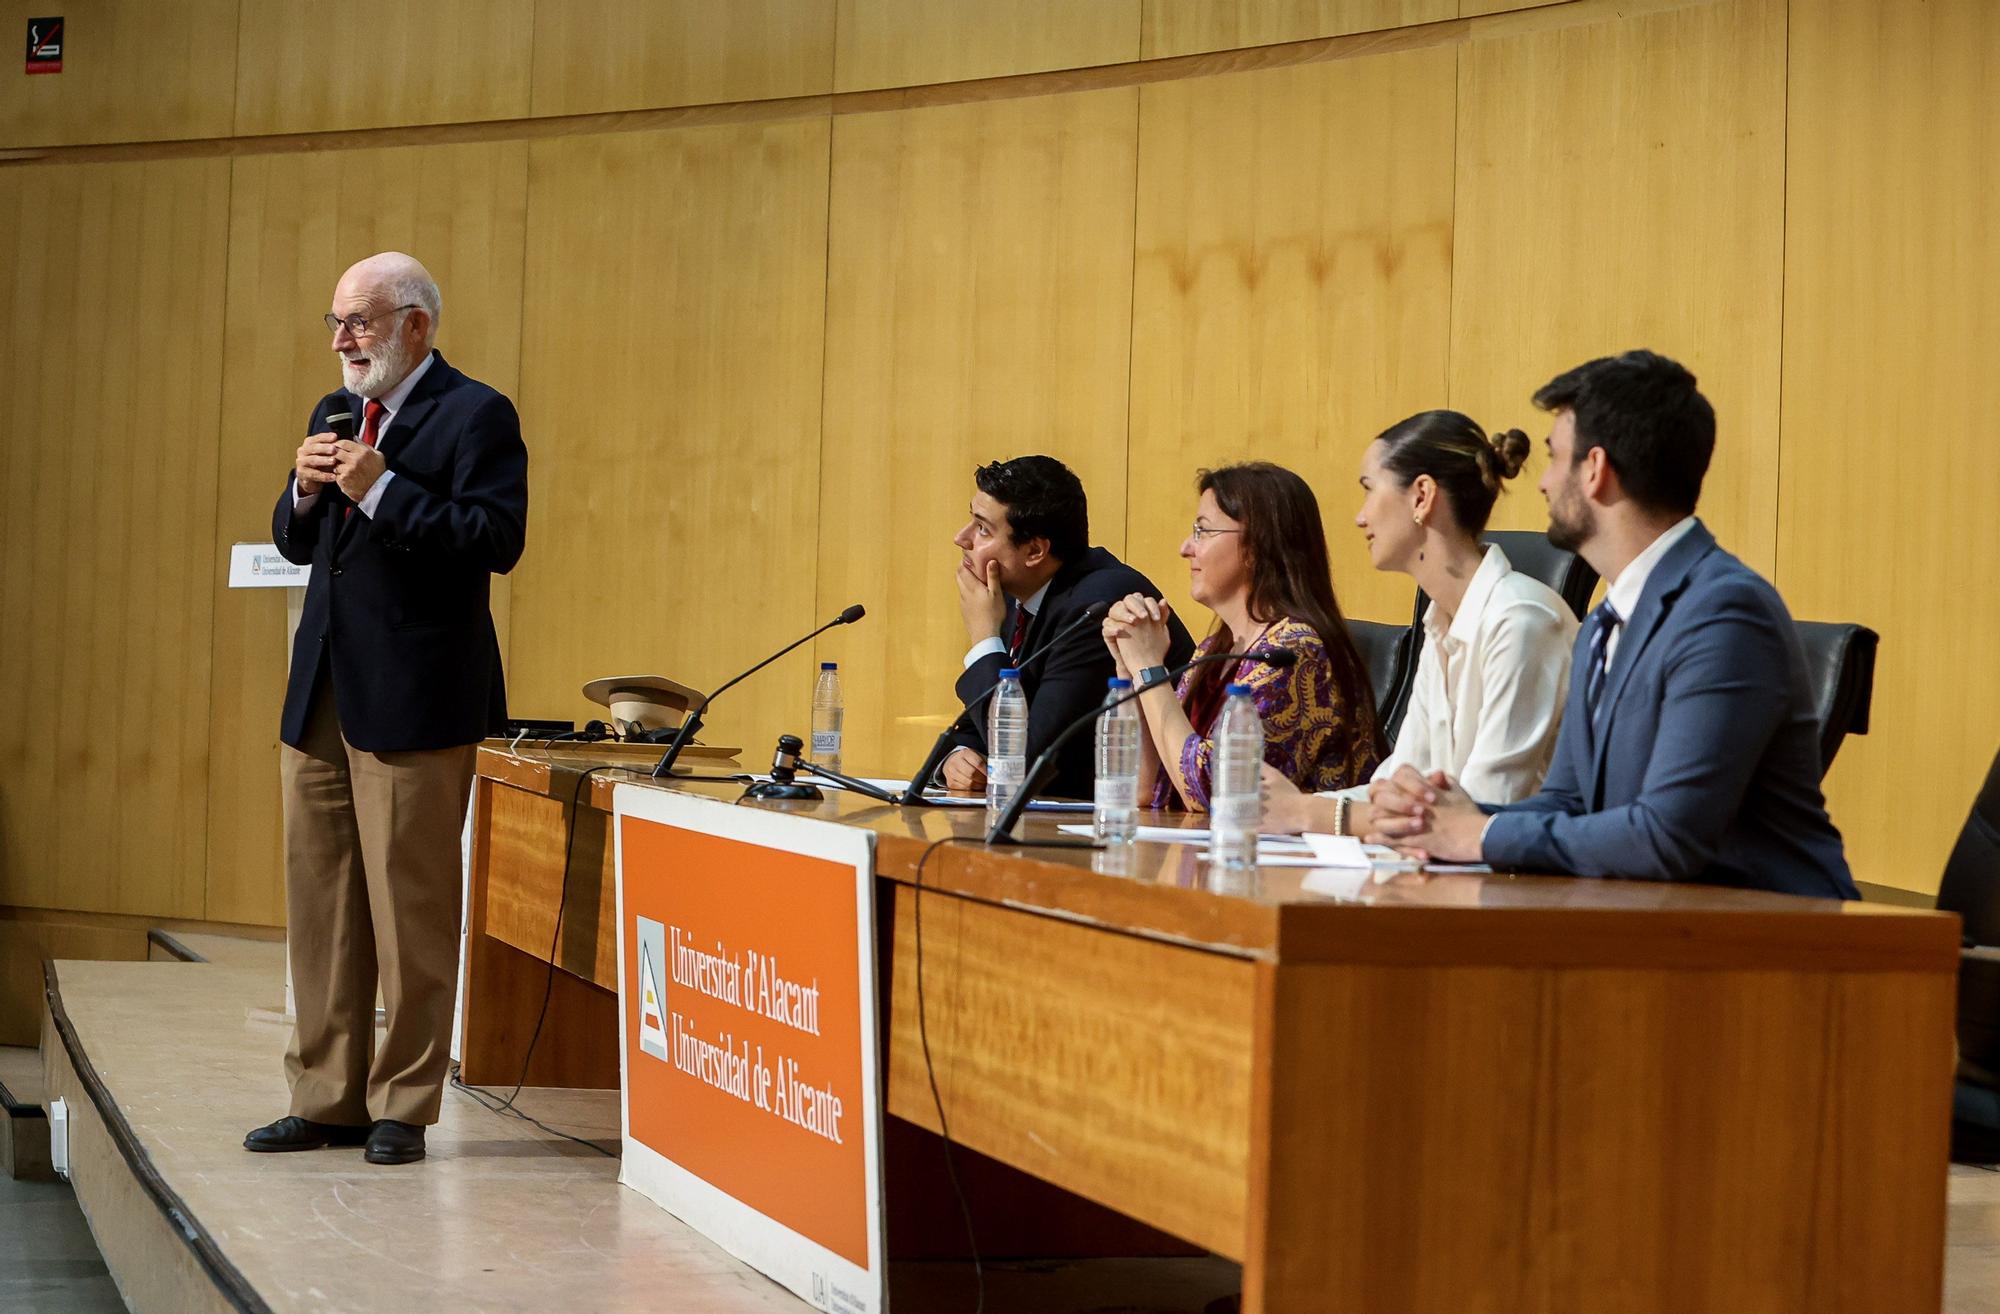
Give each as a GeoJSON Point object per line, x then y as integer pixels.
{"type": "Point", "coordinates": [1198, 836]}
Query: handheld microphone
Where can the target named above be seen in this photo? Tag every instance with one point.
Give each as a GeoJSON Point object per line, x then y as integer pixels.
{"type": "Point", "coordinates": [1276, 657]}
{"type": "Point", "coordinates": [913, 795]}
{"type": "Point", "coordinates": [693, 721]}
{"type": "Point", "coordinates": [341, 423]}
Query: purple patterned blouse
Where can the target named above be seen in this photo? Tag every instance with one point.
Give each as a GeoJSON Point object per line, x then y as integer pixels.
{"type": "Point", "coordinates": [1312, 733]}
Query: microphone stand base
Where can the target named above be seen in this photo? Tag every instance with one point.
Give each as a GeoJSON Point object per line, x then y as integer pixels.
{"type": "Point", "coordinates": [774, 789]}
{"type": "Point", "coordinates": [1009, 842]}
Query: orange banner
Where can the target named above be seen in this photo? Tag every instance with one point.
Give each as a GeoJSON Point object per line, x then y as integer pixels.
{"type": "Point", "coordinates": [744, 1039]}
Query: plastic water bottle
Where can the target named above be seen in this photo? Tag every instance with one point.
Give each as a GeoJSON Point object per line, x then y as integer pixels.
{"type": "Point", "coordinates": [1006, 744]}
{"type": "Point", "coordinates": [827, 713]}
{"type": "Point", "coordinates": [1115, 819]}
{"type": "Point", "coordinates": [1235, 796]}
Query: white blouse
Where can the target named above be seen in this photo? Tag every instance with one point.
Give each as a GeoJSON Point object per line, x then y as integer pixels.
{"type": "Point", "coordinates": [1489, 689]}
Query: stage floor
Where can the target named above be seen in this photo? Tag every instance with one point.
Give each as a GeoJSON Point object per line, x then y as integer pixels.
{"type": "Point", "coordinates": [501, 1216]}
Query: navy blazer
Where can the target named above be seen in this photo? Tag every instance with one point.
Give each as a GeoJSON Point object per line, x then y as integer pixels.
{"type": "Point", "coordinates": [396, 610]}
{"type": "Point", "coordinates": [1069, 681]}
{"type": "Point", "coordinates": [1706, 763]}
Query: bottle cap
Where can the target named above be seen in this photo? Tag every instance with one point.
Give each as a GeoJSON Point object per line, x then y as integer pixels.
{"type": "Point", "coordinates": [1118, 682]}
{"type": "Point", "coordinates": [1236, 689]}
{"type": "Point", "coordinates": [829, 666]}
{"type": "Point", "coordinates": [1009, 673]}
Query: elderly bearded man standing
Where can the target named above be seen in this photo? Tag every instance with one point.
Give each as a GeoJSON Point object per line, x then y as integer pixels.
{"type": "Point", "coordinates": [395, 678]}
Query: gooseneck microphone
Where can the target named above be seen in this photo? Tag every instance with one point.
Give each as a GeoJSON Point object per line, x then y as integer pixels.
{"type": "Point", "coordinates": [1275, 657]}
{"type": "Point", "coordinates": [693, 721]}
{"type": "Point", "coordinates": [913, 795]}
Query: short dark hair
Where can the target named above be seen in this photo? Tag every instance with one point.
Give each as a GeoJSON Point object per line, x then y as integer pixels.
{"type": "Point", "coordinates": [1044, 499]}
{"type": "Point", "coordinates": [1655, 427]}
{"type": "Point", "coordinates": [1453, 450]}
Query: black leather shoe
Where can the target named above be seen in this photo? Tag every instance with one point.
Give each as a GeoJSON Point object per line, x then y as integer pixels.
{"type": "Point", "coordinates": [394, 1142]}
{"type": "Point", "coordinates": [294, 1133]}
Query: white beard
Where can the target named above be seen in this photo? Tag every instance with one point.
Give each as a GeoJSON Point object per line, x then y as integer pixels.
{"type": "Point", "coordinates": [387, 366]}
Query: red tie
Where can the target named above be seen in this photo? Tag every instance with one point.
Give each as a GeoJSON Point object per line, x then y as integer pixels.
{"type": "Point", "coordinates": [371, 422]}
{"type": "Point", "coordinates": [1021, 619]}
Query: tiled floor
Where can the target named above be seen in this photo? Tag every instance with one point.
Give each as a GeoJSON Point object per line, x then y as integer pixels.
{"type": "Point", "coordinates": [1972, 1242]}
{"type": "Point", "coordinates": [48, 1262]}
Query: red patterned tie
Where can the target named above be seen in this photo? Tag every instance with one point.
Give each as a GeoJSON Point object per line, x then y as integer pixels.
{"type": "Point", "coordinates": [371, 423]}
{"type": "Point", "coordinates": [1022, 617]}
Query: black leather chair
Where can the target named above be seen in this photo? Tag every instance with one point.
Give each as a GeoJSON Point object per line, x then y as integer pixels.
{"type": "Point", "coordinates": [1971, 888]}
{"type": "Point", "coordinates": [1389, 652]}
{"type": "Point", "coordinates": [1530, 552]}
{"type": "Point", "coordinates": [1840, 662]}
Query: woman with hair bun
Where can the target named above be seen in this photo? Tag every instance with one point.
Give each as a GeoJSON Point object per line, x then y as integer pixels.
{"type": "Point", "coordinates": [1489, 689]}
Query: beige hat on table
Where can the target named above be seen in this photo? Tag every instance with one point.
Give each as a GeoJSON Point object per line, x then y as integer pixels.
{"type": "Point", "coordinates": [642, 702]}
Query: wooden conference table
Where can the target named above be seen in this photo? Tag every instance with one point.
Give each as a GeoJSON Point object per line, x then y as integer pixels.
{"type": "Point", "coordinates": [1456, 1093]}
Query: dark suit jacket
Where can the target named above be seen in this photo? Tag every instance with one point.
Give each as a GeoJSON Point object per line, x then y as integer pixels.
{"type": "Point", "coordinates": [396, 610]}
{"type": "Point", "coordinates": [1706, 763]}
{"type": "Point", "coordinates": [1070, 680]}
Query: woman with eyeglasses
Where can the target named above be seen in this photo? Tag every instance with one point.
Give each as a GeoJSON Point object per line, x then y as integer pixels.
{"type": "Point", "coordinates": [1489, 689]}
{"type": "Point", "coordinates": [1257, 559]}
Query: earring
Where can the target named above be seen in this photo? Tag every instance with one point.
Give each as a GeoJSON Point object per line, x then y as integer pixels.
{"type": "Point", "coordinates": [1419, 518]}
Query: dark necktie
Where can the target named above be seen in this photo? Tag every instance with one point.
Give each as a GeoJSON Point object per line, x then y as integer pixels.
{"type": "Point", "coordinates": [371, 425]}
{"type": "Point", "coordinates": [1607, 620]}
{"type": "Point", "coordinates": [1022, 618]}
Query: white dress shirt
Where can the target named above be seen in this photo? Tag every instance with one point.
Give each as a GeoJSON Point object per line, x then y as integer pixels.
{"type": "Point", "coordinates": [1489, 689]}
{"type": "Point", "coordinates": [1033, 606]}
{"type": "Point", "coordinates": [392, 401]}
{"type": "Point", "coordinates": [1623, 593]}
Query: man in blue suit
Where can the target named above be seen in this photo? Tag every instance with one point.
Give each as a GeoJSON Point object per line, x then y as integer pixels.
{"type": "Point", "coordinates": [395, 678]}
{"type": "Point", "coordinates": [1689, 749]}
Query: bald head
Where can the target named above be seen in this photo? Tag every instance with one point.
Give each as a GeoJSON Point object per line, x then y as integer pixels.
{"type": "Point", "coordinates": [400, 302]}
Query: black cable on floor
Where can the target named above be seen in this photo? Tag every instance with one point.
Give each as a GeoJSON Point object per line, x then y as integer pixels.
{"type": "Point", "coordinates": [555, 939]}
{"type": "Point", "coordinates": [486, 1099]}
{"type": "Point", "coordinates": [930, 1069]}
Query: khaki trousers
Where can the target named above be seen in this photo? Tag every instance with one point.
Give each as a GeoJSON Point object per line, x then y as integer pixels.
{"type": "Point", "coordinates": [372, 892]}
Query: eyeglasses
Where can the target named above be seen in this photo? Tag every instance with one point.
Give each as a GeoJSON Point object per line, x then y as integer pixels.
{"type": "Point", "coordinates": [357, 325]}
{"type": "Point", "coordinates": [1202, 533]}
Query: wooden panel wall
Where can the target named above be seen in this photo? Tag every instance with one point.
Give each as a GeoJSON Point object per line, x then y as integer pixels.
{"type": "Point", "coordinates": [758, 360]}
{"type": "Point", "coordinates": [303, 67]}
{"type": "Point", "coordinates": [1886, 504]}
{"type": "Point", "coordinates": [671, 370]}
{"type": "Point", "coordinates": [462, 210]}
{"type": "Point", "coordinates": [1621, 184]}
{"type": "Point", "coordinates": [593, 55]}
{"type": "Point", "coordinates": [1185, 27]}
{"type": "Point", "coordinates": [111, 356]}
{"type": "Point", "coordinates": [132, 70]}
{"type": "Point", "coordinates": [1293, 290]}
{"type": "Point", "coordinates": [902, 43]}
{"type": "Point", "coordinates": [978, 307]}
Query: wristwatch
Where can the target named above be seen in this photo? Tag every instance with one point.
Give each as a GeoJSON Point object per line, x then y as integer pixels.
{"type": "Point", "coordinates": [1152, 675]}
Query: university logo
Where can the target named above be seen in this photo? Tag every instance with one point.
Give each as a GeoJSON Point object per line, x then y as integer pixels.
{"type": "Point", "coordinates": [652, 941]}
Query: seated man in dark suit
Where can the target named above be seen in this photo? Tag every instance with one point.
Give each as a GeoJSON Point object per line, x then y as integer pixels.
{"type": "Point", "coordinates": [1028, 572]}
{"type": "Point", "coordinates": [1689, 749]}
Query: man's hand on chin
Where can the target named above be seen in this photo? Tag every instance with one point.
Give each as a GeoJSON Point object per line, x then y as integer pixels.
{"type": "Point", "coordinates": [981, 602]}
{"type": "Point", "coordinates": [1427, 817]}
{"type": "Point", "coordinates": [356, 467]}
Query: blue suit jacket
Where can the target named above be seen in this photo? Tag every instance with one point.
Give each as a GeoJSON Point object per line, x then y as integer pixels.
{"type": "Point", "coordinates": [1705, 764]}
{"type": "Point", "coordinates": [396, 610]}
